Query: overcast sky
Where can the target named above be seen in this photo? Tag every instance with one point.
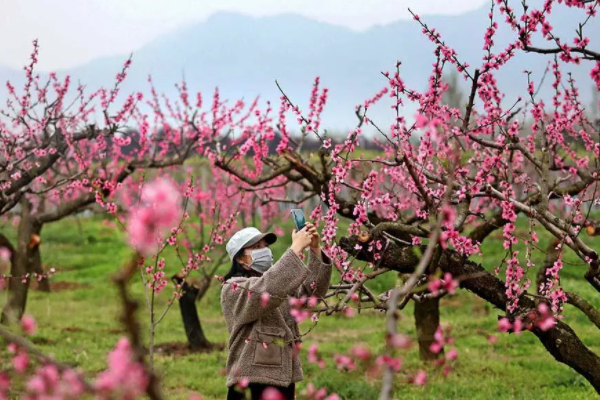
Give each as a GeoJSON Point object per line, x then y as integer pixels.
{"type": "Point", "coordinates": [72, 32]}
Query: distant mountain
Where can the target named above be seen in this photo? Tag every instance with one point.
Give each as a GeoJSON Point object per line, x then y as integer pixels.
{"type": "Point", "coordinates": [244, 55]}
{"type": "Point", "coordinates": [8, 74]}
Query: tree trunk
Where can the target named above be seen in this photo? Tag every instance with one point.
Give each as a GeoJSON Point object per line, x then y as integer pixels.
{"type": "Point", "coordinates": [36, 266]}
{"type": "Point", "coordinates": [27, 253]}
{"type": "Point", "coordinates": [189, 313]}
{"type": "Point", "coordinates": [561, 341]}
{"type": "Point", "coordinates": [36, 259]}
{"type": "Point", "coordinates": [427, 320]}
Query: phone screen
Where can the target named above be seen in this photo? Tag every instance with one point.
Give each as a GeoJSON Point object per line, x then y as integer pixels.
{"type": "Point", "coordinates": [298, 217]}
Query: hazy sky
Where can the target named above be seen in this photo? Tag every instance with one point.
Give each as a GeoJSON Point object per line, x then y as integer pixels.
{"type": "Point", "coordinates": [72, 32]}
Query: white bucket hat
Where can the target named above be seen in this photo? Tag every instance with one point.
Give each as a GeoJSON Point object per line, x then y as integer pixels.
{"type": "Point", "coordinates": [247, 237]}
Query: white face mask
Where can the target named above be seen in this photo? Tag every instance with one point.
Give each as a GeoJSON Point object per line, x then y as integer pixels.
{"type": "Point", "coordinates": [262, 259]}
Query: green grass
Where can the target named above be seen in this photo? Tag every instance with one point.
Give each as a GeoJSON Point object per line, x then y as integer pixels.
{"type": "Point", "coordinates": [80, 325]}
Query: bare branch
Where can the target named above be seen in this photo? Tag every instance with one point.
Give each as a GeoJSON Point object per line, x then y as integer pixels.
{"type": "Point", "coordinates": [585, 307]}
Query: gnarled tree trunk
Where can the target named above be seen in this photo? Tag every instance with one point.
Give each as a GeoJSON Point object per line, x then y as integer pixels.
{"type": "Point", "coordinates": [27, 254]}
{"type": "Point", "coordinates": [427, 320]}
{"type": "Point", "coordinates": [561, 341]}
{"type": "Point", "coordinates": [192, 291]}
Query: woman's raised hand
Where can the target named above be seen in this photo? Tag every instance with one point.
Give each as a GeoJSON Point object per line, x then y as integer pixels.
{"type": "Point", "coordinates": [314, 244]}
{"type": "Point", "coordinates": [301, 239]}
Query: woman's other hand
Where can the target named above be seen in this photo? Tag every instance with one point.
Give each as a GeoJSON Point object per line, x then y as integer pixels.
{"type": "Point", "coordinates": [314, 244]}
{"type": "Point", "coordinates": [301, 239]}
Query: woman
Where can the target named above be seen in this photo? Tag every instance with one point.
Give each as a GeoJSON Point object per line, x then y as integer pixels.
{"type": "Point", "coordinates": [254, 298]}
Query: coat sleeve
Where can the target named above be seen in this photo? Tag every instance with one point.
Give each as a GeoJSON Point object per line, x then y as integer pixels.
{"type": "Point", "coordinates": [317, 281]}
{"type": "Point", "coordinates": [242, 299]}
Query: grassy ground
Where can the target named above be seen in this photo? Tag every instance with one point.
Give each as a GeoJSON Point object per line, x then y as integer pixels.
{"type": "Point", "coordinates": [78, 324]}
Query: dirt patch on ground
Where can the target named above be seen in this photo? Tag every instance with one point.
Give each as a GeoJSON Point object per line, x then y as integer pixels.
{"type": "Point", "coordinates": [42, 340]}
{"type": "Point", "coordinates": [182, 348]}
{"type": "Point", "coordinates": [72, 329]}
{"type": "Point", "coordinates": [116, 331]}
{"type": "Point", "coordinates": [59, 286]}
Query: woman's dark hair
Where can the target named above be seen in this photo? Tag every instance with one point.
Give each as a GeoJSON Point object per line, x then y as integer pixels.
{"type": "Point", "coordinates": [236, 269]}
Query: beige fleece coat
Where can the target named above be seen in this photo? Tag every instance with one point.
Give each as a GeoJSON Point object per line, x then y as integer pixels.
{"type": "Point", "coordinates": [261, 339]}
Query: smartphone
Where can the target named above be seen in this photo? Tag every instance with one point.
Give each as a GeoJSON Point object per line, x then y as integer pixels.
{"type": "Point", "coordinates": [298, 217]}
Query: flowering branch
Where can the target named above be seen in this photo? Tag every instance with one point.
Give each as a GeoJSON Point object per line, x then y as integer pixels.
{"type": "Point", "coordinates": [131, 324]}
